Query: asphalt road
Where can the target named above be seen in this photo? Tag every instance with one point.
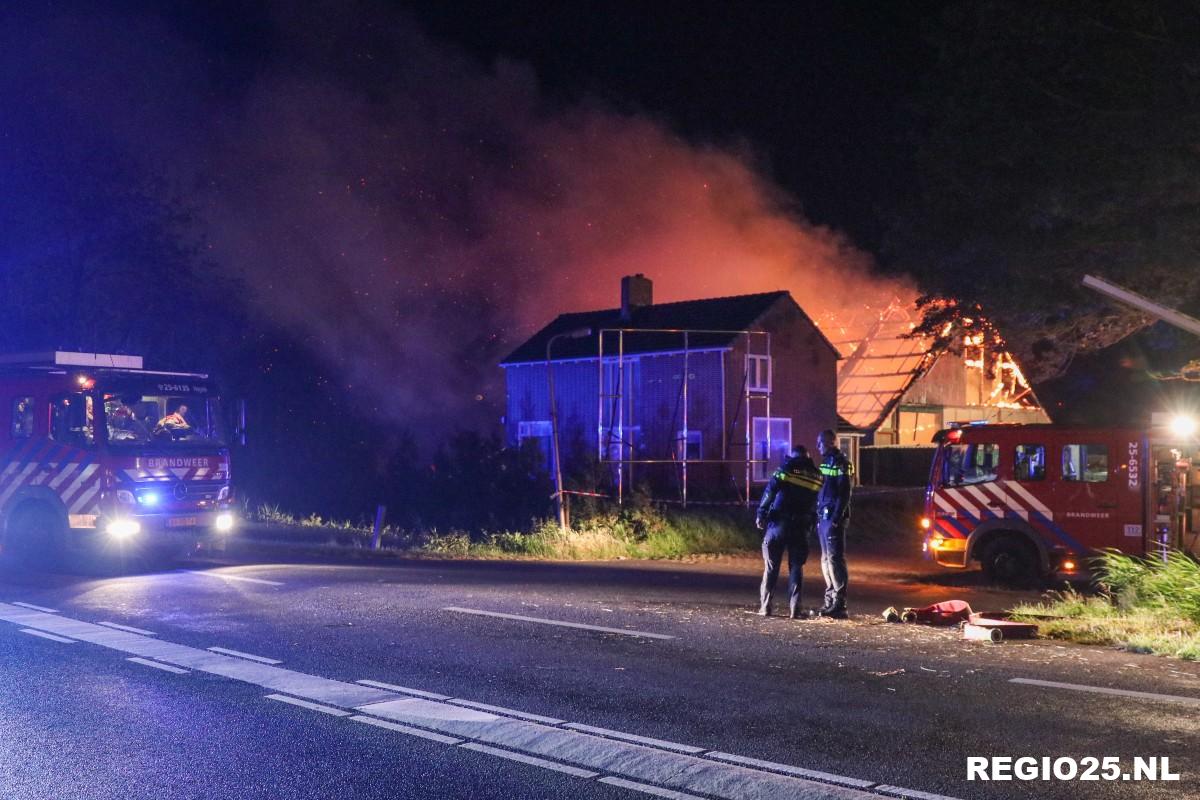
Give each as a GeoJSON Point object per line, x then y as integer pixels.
{"type": "Point", "coordinates": [854, 709]}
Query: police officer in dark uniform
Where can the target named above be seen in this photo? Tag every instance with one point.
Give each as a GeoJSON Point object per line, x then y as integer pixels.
{"type": "Point", "coordinates": [833, 512]}
{"type": "Point", "coordinates": [787, 513]}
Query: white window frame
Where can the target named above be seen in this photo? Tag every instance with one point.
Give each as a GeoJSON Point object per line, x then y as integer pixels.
{"type": "Point", "coordinates": [693, 437]}
{"type": "Point", "coordinates": [766, 459]}
{"type": "Point", "coordinates": [754, 370]}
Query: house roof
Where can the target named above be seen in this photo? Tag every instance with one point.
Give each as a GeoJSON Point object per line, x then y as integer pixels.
{"type": "Point", "coordinates": [729, 314]}
{"type": "Point", "coordinates": [881, 362]}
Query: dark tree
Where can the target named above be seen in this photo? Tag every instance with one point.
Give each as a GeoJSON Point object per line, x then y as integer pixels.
{"type": "Point", "coordinates": [1057, 139]}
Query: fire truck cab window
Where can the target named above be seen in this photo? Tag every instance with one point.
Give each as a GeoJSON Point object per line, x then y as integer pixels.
{"type": "Point", "coordinates": [22, 417]}
{"type": "Point", "coordinates": [966, 464]}
{"type": "Point", "coordinates": [1029, 463]}
{"type": "Point", "coordinates": [71, 418]}
{"type": "Point", "coordinates": [140, 419]}
{"type": "Point", "coordinates": [1085, 462]}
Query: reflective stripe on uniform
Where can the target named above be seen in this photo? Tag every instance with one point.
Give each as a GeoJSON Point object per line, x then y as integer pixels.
{"type": "Point", "coordinates": [834, 471]}
{"type": "Point", "coordinates": [804, 480]}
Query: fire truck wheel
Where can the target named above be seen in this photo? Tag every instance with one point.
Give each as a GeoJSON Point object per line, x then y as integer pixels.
{"type": "Point", "coordinates": [1012, 561]}
{"type": "Point", "coordinates": [34, 535]}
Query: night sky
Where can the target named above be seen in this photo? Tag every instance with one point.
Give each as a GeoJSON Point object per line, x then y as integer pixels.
{"type": "Point", "coordinates": [819, 91]}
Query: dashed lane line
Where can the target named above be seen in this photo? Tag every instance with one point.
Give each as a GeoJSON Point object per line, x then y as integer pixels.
{"type": "Point", "coordinates": [910, 794]}
{"type": "Point", "coordinates": [248, 656]}
{"type": "Point", "coordinates": [645, 767]}
{"type": "Point", "coordinates": [506, 711]}
{"type": "Point", "coordinates": [630, 737]}
{"type": "Point", "coordinates": [557, 622]}
{"type": "Point", "coordinates": [35, 608]}
{"type": "Point", "coordinates": [1079, 687]}
{"type": "Point", "coordinates": [532, 761]}
{"type": "Point", "coordinates": [405, 729]}
{"type": "Point", "coordinates": [50, 636]}
{"type": "Point", "coordinates": [295, 701]}
{"type": "Point", "coordinates": [458, 701]}
{"type": "Point", "coordinates": [788, 769]}
{"type": "Point", "coordinates": [656, 791]}
{"type": "Point", "coordinates": [391, 687]}
{"type": "Point", "coordinates": [118, 626]}
{"type": "Point", "coordinates": [225, 576]}
{"type": "Point", "coordinates": [145, 662]}
{"type": "Point", "coordinates": [635, 762]}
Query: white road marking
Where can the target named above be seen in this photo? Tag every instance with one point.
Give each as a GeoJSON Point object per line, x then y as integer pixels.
{"type": "Point", "coordinates": [35, 608]}
{"type": "Point", "coordinates": [800, 772]}
{"type": "Point", "coordinates": [560, 623]}
{"type": "Point", "coordinates": [646, 789]}
{"type": "Point", "coordinates": [391, 687]}
{"type": "Point", "coordinates": [1078, 687]}
{"type": "Point", "coordinates": [118, 626]}
{"type": "Point", "coordinates": [452, 724]}
{"type": "Point", "coordinates": [531, 760]}
{"type": "Point", "coordinates": [629, 737]}
{"type": "Point", "coordinates": [227, 577]}
{"type": "Point", "coordinates": [50, 636]}
{"type": "Point", "coordinates": [392, 726]}
{"type": "Point", "coordinates": [248, 656]}
{"type": "Point", "coordinates": [336, 712]}
{"type": "Point", "coordinates": [508, 712]}
{"type": "Point", "coordinates": [910, 794]}
{"type": "Point", "coordinates": [277, 679]}
{"type": "Point", "coordinates": [145, 662]}
{"type": "Point", "coordinates": [687, 773]}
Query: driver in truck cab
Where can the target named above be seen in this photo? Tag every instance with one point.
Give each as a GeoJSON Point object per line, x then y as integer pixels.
{"type": "Point", "coordinates": [175, 421]}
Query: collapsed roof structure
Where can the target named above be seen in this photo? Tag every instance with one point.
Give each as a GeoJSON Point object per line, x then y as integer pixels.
{"type": "Point", "coordinates": [895, 387]}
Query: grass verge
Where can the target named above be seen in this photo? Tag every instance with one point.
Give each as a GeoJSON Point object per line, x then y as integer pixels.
{"type": "Point", "coordinates": [633, 531]}
{"type": "Point", "coordinates": [1145, 605]}
{"type": "Point", "coordinates": [628, 533]}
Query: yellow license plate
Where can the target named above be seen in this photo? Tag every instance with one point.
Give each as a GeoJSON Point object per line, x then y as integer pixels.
{"type": "Point", "coordinates": [183, 522]}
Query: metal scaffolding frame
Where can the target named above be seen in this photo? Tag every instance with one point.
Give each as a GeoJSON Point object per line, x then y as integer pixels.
{"type": "Point", "coordinates": [618, 396]}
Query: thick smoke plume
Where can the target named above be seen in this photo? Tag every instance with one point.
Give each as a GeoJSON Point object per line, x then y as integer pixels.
{"type": "Point", "coordinates": [413, 213]}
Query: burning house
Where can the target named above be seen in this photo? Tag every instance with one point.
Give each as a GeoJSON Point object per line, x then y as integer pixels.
{"type": "Point", "coordinates": [895, 390]}
{"type": "Point", "coordinates": [697, 400]}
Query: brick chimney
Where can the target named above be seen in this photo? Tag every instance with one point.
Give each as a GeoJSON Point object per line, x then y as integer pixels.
{"type": "Point", "coordinates": [636, 291]}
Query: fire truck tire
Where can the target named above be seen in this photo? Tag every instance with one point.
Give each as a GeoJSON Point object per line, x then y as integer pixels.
{"type": "Point", "coordinates": [1011, 560]}
{"type": "Point", "coordinates": [34, 535]}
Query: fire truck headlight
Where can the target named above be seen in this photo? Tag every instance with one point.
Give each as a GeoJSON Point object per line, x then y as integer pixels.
{"type": "Point", "coordinates": [123, 528]}
{"type": "Point", "coordinates": [125, 496]}
{"type": "Point", "coordinates": [224, 522]}
{"type": "Point", "coordinates": [926, 523]}
{"type": "Point", "coordinates": [1183, 426]}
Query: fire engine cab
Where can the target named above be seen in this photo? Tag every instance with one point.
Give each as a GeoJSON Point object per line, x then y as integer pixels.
{"type": "Point", "coordinates": [1029, 501]}
{"type": "Point", "coordinates": [96, 449]}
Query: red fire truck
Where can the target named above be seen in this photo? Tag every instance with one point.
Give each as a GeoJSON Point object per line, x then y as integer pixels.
{"type": "Point", "coordinates": [1029, 501]}
{"type": "Point", "coordinates": [94, 449]}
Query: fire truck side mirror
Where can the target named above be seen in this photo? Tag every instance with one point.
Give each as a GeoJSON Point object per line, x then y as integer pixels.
{"type": "Point", "coordinates": [239, 428]}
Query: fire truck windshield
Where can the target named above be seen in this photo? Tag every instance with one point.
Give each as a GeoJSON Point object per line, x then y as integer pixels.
{"type": "Point", "coordinates": [161, 420]}
{"type": "Point", "coordinates": [964, 464]}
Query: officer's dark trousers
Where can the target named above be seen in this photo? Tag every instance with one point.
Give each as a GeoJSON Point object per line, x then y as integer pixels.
{"type": "Point", "coordinates": [832, 536]}
{"type": "Point", "coordinates": [790, 536]}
